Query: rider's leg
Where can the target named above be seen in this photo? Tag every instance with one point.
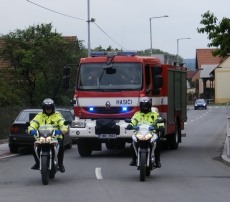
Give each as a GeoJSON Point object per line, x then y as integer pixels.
{"type": "Point", "coordinates": [157, 153]}
{"type": "Point", "coordinates": [134, 157]}
{"type": "Point", "coordinates": [61, 156]}
{"type": "Point", "coordinates": [36, 165]}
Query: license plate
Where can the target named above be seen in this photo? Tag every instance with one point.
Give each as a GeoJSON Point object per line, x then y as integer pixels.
{"type": "Point", "coordinates": [107, 136]}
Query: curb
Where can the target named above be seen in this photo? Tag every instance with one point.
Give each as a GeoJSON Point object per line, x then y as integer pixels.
{"type": "Point", "coordinates": [3, 141]}
{"type": "Point", "coordinates": [225, 160]}
{"type": "Point", "coordinates": [224, 157]}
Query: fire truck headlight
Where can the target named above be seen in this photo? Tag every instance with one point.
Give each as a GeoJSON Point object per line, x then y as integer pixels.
{"type": "Point", "coordinates": [78, 124]}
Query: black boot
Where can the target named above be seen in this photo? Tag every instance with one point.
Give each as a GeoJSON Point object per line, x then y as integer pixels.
{"type": "Point", "coordinates": [60, 163]}
{"type": "Point", "coordinates": [133, 162]}
{"type": "Point", "coordinates": [158, 164]}
{"type": "Point", "coordinates": [61, 157]}
{"type": "Point", "coordinates": [35, 166]}
{"type": "Point", "coordinates": [157, 154]}
{"type": "Point", "coordinates": [61, 168]}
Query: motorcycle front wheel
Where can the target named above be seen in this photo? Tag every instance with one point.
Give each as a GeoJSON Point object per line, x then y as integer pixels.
{"type": "Point", "coordinates": [143, 167]}
{"type": "Point", "coordinates": [45, 171]}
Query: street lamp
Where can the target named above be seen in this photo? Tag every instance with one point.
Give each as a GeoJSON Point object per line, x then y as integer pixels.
{"type": "Point", "coordinates": [177, 55]}
{"type": "Point", "coordinates": [151, 30]}
{"type": "Point", "coordinates": [89, 21]}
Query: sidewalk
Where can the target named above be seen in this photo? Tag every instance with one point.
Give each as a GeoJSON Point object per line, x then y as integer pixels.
{"type": "Point", "coordinates": [4, 148]}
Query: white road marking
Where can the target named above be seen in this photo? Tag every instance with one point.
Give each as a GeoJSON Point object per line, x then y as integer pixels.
{"type": "Point", "coordinates": [98, 173]}
{"type": "Point", "coordinates": [8, 156]}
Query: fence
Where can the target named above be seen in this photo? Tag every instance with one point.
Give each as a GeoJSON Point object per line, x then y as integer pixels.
{"type": "Point", "coordinates": [7, 117]}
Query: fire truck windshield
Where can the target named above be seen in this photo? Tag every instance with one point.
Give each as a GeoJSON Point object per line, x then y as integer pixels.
{"type": "Point", "coordinates": [122, 76]}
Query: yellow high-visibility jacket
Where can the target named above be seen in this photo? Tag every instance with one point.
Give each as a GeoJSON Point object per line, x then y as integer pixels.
{"type": "Point", "coordinates": [142, 118]}
{"type": "Point", "coordinates": [55, 119]}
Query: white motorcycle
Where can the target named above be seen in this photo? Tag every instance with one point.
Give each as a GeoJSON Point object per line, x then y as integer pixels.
{"type": "Point", "coordinates": [144, 143]}
{"type": "Point", "coordinates": [46, 148]}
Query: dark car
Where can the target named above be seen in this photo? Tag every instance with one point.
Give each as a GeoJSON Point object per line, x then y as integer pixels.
{"type": "Point", "coordinates": [19, 137]}
{"type": "Point", "coordinates": [200, 104]}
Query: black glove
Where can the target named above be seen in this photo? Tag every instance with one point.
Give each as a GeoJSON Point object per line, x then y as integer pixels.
{"type": "Point", "coordinates": [129, 127]}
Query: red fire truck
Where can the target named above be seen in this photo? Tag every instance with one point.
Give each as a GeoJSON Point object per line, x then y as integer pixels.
{"type": "Point", "coordinates": [100, 107]}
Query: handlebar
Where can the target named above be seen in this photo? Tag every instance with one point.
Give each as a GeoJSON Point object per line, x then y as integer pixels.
{"type": "Point", "coordinates": [34, 132]}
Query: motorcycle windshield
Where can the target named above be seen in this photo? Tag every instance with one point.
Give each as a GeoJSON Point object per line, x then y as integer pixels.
{"type": "Point", "coordinates": [144, 123]}
{"type": "Point", "coordinates": [46, 130]}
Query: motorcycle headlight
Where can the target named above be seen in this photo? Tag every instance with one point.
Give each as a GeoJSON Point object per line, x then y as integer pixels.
{"type": "Point", "coordinates": [148, 136]}
{"type": "Point", "coordinates": [45, 140]}
{"type": "Point", "coordinates": [144, 137]}
{"type": "Point", "coordinates": [42, 140]}
{"type": "Point", "coordinates": [48, 139]}
{"type": "Point", "coordinates": [139, 136]}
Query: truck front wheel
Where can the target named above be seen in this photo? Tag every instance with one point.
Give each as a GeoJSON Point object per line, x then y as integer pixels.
{"type": "Point", "coordinates": [84, 147]}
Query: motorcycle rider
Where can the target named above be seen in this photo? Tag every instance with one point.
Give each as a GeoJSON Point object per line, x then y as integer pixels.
{"type": "Point", "coordinates": [146, 115]}
{"type": "Point", "coordinates": [57, 121]}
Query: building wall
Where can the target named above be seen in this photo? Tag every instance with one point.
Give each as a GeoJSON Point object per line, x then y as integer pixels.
{"type": "Point", "coordinates": [222, 83]}
{"type": "Point", "coordinates": [225, 64]}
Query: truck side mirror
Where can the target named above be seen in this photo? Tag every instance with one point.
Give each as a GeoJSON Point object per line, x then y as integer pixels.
{"type": "Point", "coordinates": [66, 70]}
{"type": "Point", "coordinates": [65, 79]}
{"type": "Point", "coordinates": [65, 82]}
{"type": "Point", "coordinates": [157, 79]}
{"type": "Point", "coordinates": [73, 102]}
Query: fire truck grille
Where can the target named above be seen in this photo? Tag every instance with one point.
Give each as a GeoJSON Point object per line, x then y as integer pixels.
{"type": "Point", "coordinates": [111, 110]}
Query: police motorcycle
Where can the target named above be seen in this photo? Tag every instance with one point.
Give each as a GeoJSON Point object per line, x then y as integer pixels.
{"type": "Point", "coordinates": [144, 143]}
{"type": "Point", "coordinates": [46, 148]}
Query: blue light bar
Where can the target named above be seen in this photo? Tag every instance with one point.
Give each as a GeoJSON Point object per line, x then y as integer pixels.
{"type": "Point", "coordinates": [91, 109]}
{"type": "Point", "coordinates": [112, 53]}
{"type": "Point", "coordinates": [126, 53]}
{"type": "Point", "coordinates": [124, 109]}
{"type": "Point", "coordinates": [96, 54]}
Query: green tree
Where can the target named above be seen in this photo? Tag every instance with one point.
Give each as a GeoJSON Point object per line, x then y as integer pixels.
{"type": "Point", "coordinates": [9, 94]}
{"type": "Point", "coordinates": [99, 48]}
{"type": "Point", "coordinates": [218, 33]}
{"type": "Point", "coordinates": [36, 57]}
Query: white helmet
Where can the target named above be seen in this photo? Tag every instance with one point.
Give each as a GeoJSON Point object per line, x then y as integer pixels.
{"type": "Point", "coordinates": [154, 109]}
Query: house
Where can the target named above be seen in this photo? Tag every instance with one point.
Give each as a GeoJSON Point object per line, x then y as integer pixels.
{"type": "Point", "coordinates": [221, 74]}
{"type": "Point", "coordinates": [205, 64]}
{"type": "Point", "coordinates": [191, 89]}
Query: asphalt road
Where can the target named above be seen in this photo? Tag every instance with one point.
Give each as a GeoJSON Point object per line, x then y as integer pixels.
{"type": "Point", "coordinates": [193, 173]}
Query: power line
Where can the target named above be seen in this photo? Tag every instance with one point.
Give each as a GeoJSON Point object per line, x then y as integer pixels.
{"type": "Point", "coordinates": [109, 37]}
{"type": "Point", "coordinates": [77, 19]}
{"type": "Point", "coordinates": [54, 11]}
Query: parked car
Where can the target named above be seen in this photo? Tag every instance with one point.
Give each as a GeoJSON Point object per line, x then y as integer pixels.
{"type": "Point", "coordinates": [200, 104]}
{"type": "Point", "coordinates": [18, 136]}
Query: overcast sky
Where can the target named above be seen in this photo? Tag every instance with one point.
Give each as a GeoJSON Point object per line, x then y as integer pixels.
{"type": "Point", "coordinates": [126, 22]}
